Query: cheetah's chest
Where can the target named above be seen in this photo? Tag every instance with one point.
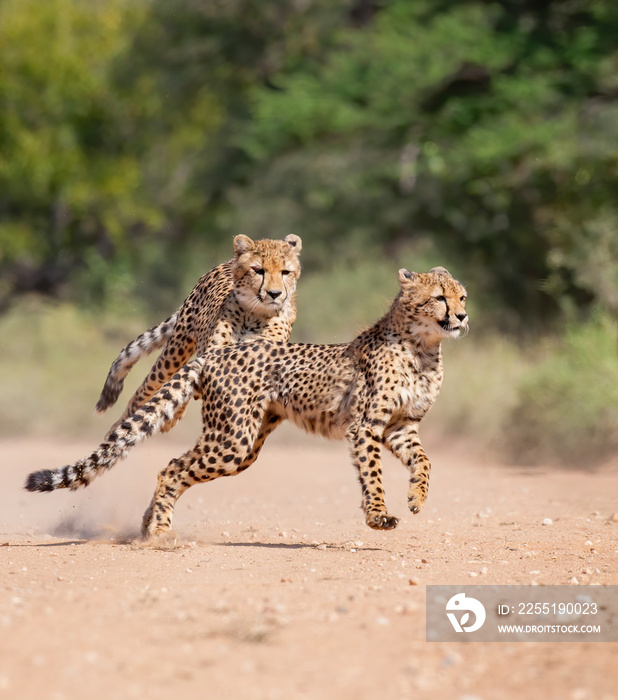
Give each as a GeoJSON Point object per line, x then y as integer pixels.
{"type": "Point", "coordinates": [416, 385]}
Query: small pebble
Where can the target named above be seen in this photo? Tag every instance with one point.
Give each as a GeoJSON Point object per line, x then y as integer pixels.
{"type": "Point", "coordinates": [452, 659]}
{"type": "Point", "coordinates": [573, 581]}
{"type": "Point", "coordinates": [548, 521]}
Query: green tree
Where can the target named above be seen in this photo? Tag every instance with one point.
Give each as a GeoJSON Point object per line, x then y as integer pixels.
{"type": "Point", "coordinates": [89, 170]}
{"type": "Point", "coordinates": [132, 133]}
{"type": "Point", "coordinates": [490, 128]}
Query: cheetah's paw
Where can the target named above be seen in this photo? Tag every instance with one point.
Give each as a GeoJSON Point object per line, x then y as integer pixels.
{"type": "Point", "coordinates": [415, 503]}
{"type": "Point", "coordinates": [382, 521]}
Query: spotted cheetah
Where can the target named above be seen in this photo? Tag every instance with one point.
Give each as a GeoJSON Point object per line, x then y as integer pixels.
{"type": "Point", "coordinates": [253, 294]}
{"type": "Point", "coordinates": [372, 391]}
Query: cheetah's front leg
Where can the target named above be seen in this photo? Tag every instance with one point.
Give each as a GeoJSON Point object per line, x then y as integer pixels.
{"type": "Point", "coordinates": [403, 441]}
{"type": "Point", "coordinates": [365, 448]}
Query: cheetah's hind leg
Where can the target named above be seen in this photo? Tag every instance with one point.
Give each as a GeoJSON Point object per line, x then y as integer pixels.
{"type": "Point", "coordinates": [214, 455]}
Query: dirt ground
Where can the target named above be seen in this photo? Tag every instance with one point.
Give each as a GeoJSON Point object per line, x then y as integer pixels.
{"type": "Point", "coordinates": [276, 589]}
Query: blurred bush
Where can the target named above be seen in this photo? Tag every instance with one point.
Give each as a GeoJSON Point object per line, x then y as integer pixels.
{"type": "Point", "coordinates": [55, 357]}
{"type": "Point", "coordinates": [567, 405]}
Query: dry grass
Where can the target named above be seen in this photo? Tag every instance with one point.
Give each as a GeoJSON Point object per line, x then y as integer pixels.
{"type": "Point", "coordinates": [55, 358]}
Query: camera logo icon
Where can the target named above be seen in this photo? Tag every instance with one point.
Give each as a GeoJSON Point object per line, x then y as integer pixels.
{"type": "Point", "coordinates": [461, 603]}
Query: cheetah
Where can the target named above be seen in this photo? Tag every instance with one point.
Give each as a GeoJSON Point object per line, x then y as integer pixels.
{"type": "Point", "coordinates": [372, 391]}
{"type": "Point", "coordinates": [253, 294]}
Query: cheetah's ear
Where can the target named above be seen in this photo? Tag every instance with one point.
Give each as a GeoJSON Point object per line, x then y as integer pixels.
{"type": "Point", "coordinates": [294, 241]}
{"type": "Point", "coordinates": [405, 276]}
{"type": "Point", "coordinates": [242, 244]}
{"type": "Point", "coordinates": [440, 271]}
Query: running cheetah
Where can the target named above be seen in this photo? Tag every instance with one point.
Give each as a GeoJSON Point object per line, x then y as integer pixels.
{"type": "Point", "coordinates": [253, 294]}
{"type": "Point", "coordinates": [372, 391]}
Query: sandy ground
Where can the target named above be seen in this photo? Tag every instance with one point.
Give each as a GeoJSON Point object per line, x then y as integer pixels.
{"type": "Point", "coordinates": [276, 589]}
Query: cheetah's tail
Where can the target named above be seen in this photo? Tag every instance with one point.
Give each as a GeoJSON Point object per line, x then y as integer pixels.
{"type": "Point", "coordinates": [149, 419]}
{"type": "Point", "coordinates": [149, 341]}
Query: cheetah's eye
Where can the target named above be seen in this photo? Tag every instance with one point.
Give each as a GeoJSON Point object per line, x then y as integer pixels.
{"type": "Point", "coordinates": [285, 272]}
{"type": "Point", "coordinates": [259, 270]}
{"type": "Point", "coordinates": [440, 298]}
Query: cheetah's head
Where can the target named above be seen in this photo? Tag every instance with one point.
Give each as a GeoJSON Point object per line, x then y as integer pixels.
{"type": "Point", "coordinates": [265, 273]}
{"type": "Point", "coordinates": [434, 304]}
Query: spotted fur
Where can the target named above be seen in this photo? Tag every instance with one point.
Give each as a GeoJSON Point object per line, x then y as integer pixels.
{"type": "Point", "coordinates": [251, 295]}
{"type": "Point", "coordinates": [372, 391]}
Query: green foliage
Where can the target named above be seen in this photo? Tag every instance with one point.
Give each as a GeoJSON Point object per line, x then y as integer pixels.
{"type": "Point", "coordinates": [488, 127]}
{"type": "Point", "coordinates": [567, 408]}
{"type": "Point", "coordinates": [63, 172]}
{"type": "Point", "coordinates": [84, 174]}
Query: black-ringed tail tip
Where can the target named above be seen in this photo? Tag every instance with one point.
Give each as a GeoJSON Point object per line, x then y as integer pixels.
{"type": "Point", "coordinates": [41, 481]}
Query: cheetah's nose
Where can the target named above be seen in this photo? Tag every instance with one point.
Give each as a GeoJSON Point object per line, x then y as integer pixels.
{"type": "Point", "coordinates": [274, 294]}
{"type": "Point", "coordinates": [462, 317]}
